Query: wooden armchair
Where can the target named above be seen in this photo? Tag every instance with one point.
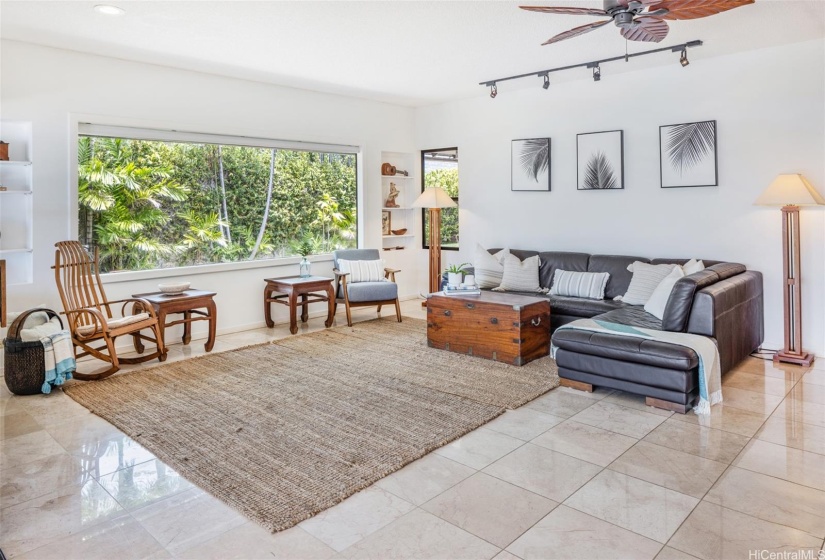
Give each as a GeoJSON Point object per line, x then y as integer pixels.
{"type": "Point", "coordinates": [89, 312]}
{"type": "Point", "coordinates": [364, 294]}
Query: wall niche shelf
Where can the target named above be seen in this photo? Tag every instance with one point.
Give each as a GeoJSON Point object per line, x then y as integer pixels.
{"type": "Point", "coordinates": [16, 203]}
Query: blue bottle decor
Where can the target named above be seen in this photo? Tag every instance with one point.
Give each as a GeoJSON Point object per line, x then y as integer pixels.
{"type": "Point", "coordinates": [306, 269]}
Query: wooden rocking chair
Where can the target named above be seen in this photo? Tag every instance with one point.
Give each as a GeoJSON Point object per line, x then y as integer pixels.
{"type": "Point", "coordinates": [89, 312]}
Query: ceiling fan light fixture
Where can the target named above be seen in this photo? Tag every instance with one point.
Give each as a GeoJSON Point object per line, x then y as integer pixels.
{"type": "Point", "coordinates": [493, 90]}
{"type": "Point", "coordinates": [683, 59]}
{"type": "Point", "coordinates": [546, 83]}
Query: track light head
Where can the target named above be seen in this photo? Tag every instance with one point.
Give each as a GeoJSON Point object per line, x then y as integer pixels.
{"type": "Point", "coordinates": [683, 60]}
{"type": "Point", "coordinates": [597, 73]}
{"type": "Point", "coordinates": [493, 90]}
{"type": "Point", "coordinates": [546, 81]}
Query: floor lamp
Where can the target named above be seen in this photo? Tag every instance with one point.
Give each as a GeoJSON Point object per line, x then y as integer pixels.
{"type": "Point", "coordinates": [434, 199]}
{"type": "Point", "coordinates": [791, 191]}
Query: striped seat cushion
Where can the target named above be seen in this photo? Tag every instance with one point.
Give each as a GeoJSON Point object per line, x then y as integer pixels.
{"type": "Point", "coordinates": [362, 271]}
{"type": "Point", "coordinates": [588, 285]}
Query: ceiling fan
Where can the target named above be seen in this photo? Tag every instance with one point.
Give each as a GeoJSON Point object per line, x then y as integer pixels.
{"type": "Point", "coordinates": [640, 20]}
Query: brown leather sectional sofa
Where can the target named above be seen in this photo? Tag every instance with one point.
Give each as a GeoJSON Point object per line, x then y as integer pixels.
{"type": "Point", "coordinates": [723, 302]}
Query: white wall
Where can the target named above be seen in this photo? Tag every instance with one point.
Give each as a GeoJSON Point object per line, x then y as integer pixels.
{"type": "Point", "coordinates": [770, 111]}
{"type": "Point", "coordinates": [52, 88]}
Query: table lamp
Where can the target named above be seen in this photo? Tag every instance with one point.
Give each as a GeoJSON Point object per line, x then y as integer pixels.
{"type": "Point", "coordinates": [434, 199]}
{"type": "Point", "coordinates": [790, 191]}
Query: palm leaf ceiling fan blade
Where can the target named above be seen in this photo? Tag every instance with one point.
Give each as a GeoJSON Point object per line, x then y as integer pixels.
{"type": "Point", "coordinates": [695, 9]}
{"type": "Point", "coordinates": [648, 29]}
{"type": "Point", "coordinates": [576, 31]}
{"type": "Point", "coordinates": [568, 11]}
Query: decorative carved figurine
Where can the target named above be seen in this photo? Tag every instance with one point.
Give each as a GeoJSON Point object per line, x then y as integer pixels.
{"type": "Point", "coordinates": [394, 192]}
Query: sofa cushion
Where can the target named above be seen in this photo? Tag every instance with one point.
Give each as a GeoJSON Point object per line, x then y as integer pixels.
{"type": "Point", "coordinates": [580, 307]}
{"type": "Point", "coordinates": [588, 285]}
{"type": "Point", "coordinates": [626, 349]}
{"type": "Point", "coordinates": [616, 266]}
{"type": "Point", "coordinates": [555, 260]}
{"type": "Point", "coordinates": [644, 281]}
{"type": "Point", "coordinates": [522, 276]}
{"type": "Point", "coordinates": [488, 268]}
{"type": "Point", "coordinates": [661, 295]}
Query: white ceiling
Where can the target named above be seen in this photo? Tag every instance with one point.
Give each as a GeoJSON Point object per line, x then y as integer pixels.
{"type": "Point", "coordinates": [411, 53]}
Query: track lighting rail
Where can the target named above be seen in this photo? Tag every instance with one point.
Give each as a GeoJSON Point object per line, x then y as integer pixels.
{"type": "Point", "coordinates": [595, 65]}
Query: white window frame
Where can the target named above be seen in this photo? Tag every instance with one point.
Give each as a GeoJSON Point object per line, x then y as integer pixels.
{"type": "Point", "coordinates": [83, 126]}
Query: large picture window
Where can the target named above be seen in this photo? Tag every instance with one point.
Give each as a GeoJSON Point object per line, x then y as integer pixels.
{"type": "Point", "coordinates": [439, 168]}
{"type": "Point", "coordinates": [148, 204]}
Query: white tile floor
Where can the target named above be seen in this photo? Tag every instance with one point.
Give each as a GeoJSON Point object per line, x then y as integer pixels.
{"type": "Point", "coordinates": [569, 475]}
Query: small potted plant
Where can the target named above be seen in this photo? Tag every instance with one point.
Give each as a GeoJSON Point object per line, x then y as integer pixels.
{"type": "Point", "coordinates": [455, 274]}
{"type": "Point", "coordinates": [305, 247]}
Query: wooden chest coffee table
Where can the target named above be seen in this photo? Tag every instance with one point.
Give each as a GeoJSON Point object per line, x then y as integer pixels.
{"type": "Point", "coordinates": [503, 327]}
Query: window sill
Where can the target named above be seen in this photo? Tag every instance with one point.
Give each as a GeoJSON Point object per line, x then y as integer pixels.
{"type": "Point", "coordinates": [184, 271]}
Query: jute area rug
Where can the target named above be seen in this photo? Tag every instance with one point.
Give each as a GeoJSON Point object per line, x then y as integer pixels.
{"type": "Point", "coordinates": [285, 430]}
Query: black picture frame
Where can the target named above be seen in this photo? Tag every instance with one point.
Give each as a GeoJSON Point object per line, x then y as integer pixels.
{"type": "Point", "coordinates": [697, 133]}
{"type": "Point", "coordinates": [603, 164]}
{"type": "Point", "coordinates": [535, 155]}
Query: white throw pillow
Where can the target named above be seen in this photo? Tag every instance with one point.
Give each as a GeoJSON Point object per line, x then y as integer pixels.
{"type": "Point", "coordinates": [658, 299]}
{"type": "Point", "coordinates": [520, 276]}
{"type": "Point", "coordinates": [488, 268]}
{"type": "Point", "coordinates": [693, 266]}
{"type": "Point", "coordinates": [645, 279]}
{"type": "Point", "coordinates": [362, 271]}
{"type": "Point", "coordinates": [579, 284]}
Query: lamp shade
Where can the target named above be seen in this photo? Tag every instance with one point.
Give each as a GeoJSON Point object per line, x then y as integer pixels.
{"type": "Point", "coordinates": [790, 189]}
{"type": "Point", "coordinates": [434, 197]}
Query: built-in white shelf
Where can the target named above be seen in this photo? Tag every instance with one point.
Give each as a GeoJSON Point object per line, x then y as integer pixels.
{"type": "Point", "coordinates": [398, 208]}
{"type": "Point", "coordinates": [14, 162]}
{"type": "Point", "coordinates": [13, 251]}
{"type": "Point", "coordinates": [15, 191]}
{"type": "Point", "coordinates": [397, 236]}
{"type": "Point", "coordinates": [398, 176]}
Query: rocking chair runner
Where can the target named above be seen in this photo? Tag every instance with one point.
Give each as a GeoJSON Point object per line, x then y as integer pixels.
{"type": "Point", "coordinates": [89, 312]}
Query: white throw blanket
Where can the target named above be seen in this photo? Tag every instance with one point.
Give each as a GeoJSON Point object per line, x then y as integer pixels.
{"type": "Point", "coordinates": [710, 373]}
{"type": "Point", "coordinates": [58, 352]}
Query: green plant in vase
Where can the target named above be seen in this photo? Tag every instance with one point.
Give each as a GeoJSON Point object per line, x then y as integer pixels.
{"type": "Point", "coordinates": [305, 247]}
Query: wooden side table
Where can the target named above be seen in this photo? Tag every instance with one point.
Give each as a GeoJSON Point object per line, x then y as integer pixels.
{"type": "Point", "coordinates": [189, 304]}
{"type": "Point", "coordinates": [286, 292]}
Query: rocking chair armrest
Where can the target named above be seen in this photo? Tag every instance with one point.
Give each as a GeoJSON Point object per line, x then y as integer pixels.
{"type": "Point", "coordinates": [100, 319]}
{"type": "Point", "coordinates": [340, 274]}
{"type": "Point", "coordinates": [144, 305]}
{"type": "Point", "coordinates": [389, 273]}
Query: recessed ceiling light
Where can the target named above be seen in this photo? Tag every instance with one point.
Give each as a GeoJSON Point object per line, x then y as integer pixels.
{"type": "Point", "coordinates": [109, 10]}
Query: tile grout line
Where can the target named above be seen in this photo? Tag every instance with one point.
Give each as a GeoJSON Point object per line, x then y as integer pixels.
{"type": "Point", "coordinates": [731, 465]}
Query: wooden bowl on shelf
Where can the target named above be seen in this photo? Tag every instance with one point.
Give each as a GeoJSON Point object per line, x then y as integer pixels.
{"type": "Point", "coordinates": [401, 231]}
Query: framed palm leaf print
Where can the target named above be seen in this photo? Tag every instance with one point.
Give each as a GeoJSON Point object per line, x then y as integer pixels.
{"type": "Point", "coordinates": [530, 164]}
{"type": "Point", "coordinates": [687, 155]}
{"type": "Point", "coordinates": [600, 160]}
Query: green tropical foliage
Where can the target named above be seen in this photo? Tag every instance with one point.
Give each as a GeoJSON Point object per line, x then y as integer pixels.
{"type": "Point", "coordinates": [150, 204]}
{"type": "Point", "coordinates": [447, 179]}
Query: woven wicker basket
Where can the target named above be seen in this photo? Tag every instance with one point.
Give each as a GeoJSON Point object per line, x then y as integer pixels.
{"type": "Point", "coordinates": [25, 368]}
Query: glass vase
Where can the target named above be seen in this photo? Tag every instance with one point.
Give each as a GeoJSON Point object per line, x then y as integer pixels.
{"type": "Point", "coordinates": [305, 268]}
